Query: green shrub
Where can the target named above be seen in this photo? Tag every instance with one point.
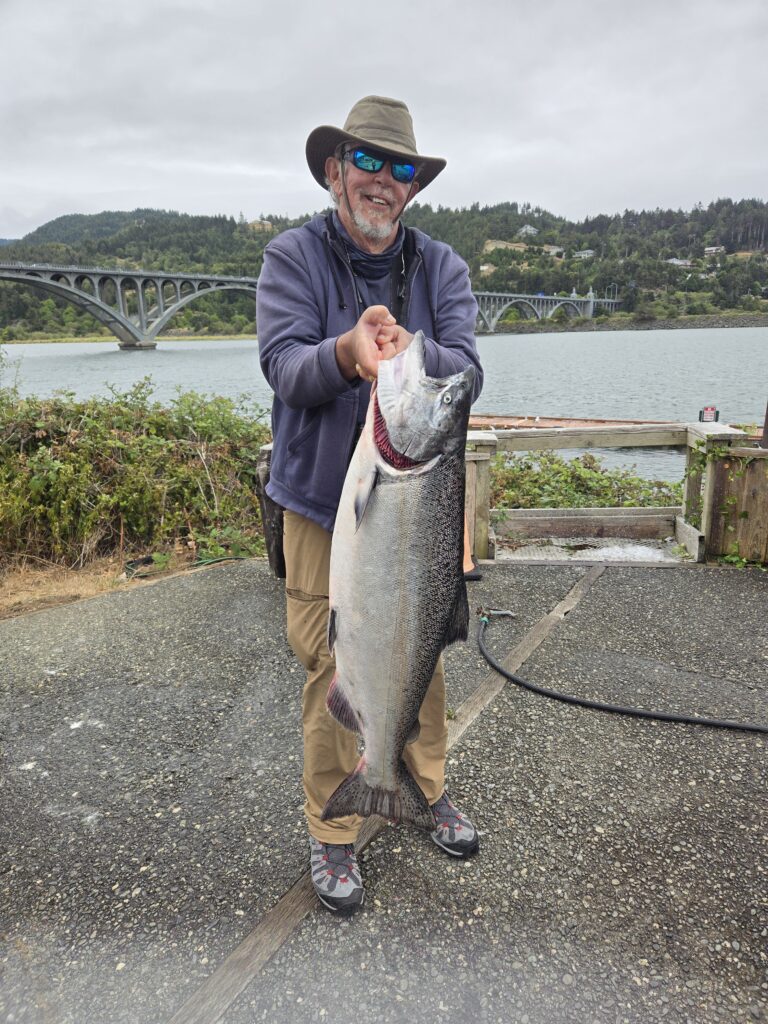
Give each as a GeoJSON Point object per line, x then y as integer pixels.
{"type": "Point", "coordinates": [81, 479]}
{"type": "Point", "coordinates": [546, 480]}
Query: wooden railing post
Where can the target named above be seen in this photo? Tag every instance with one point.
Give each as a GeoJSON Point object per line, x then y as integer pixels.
{"type": "Point", "coordinates": [700, 499]}
{"type": "Point", "coordinates": [481, 445]}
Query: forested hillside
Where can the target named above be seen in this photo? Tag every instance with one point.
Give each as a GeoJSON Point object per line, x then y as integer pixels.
{"type": "Point", "coordinates": [509, 247]}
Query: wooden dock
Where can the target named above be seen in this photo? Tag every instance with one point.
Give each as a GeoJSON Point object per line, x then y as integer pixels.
{"type": "Point", "coordinates": [726, 485]}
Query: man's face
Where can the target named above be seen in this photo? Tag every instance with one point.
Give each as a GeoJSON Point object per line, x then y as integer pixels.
{"type": "Point", "coordinates": [376, 201]}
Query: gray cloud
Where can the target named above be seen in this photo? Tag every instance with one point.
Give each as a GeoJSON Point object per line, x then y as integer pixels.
{"type": "Point", "coordinates": [205, 105]}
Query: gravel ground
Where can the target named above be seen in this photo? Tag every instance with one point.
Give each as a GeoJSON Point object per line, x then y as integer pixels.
{"type": "Point", "coordinates": [151, 812]}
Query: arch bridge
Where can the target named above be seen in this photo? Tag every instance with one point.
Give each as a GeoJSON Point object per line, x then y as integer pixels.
{"type": "Point", "coordinates": [137, 304]}
{"type": "Point", "coordinates": [134, 304]}
{"type": "Point", "coordinates": [491, 306]}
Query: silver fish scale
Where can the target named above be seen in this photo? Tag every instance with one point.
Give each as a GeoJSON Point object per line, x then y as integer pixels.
{"type": "Point", "coordinates": [406, 589]}
{"type": "Point", "coordinates": [397, 591]}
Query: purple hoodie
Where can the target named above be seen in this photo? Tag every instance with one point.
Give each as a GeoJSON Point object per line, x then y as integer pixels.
{"type": "Point", "coordinates": [306, 298]}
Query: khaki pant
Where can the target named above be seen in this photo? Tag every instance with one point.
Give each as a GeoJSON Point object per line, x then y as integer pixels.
{"type": "Point", "coordinates": [330, 750]}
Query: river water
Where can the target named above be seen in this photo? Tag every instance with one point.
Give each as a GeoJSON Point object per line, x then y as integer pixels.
{"type": "Point", "coordinates": [654, 375]}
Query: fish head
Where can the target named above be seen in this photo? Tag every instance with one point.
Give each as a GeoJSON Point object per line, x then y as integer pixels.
{"type": "Point", "coordinates": [424, 416]}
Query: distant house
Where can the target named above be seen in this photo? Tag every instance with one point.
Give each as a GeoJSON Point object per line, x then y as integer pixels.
{"type": "Point", "coordinates": [496, 243]}
{"type": "Point", "coordinates": [555, 251]}
{"type": "Point", "coordinates": [713, 250]}
{"type": "Point", "coordinates": [527, 231]}
{"type": "Point", "coordinates": [486, 269]}
{"type": "Point", "coordinates": [678, 263]}
{"type": "Point", "coordinates": [583, 254]}
{"type": "Point", "coordinates": [260, 225]}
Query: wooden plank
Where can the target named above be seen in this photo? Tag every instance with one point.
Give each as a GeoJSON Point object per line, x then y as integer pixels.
{"type": "Point", "coordinates": [654, 527]}
{"type": "Point", "coordinates": [591, 437]}
{"type": "Point", "coordinates": [713, 517]}
{"type": "Point", "coordinates": [482, 507]}
{"type": "Point", "coordinates": [470, 500]}
{"type": "Point", "coordinates": [482, 437]}
{"type": "Point", "coordinates": [691, 538]}
{"type": "Point", "coordinates": [753, 528]}
{"type": "Point", "coordinates": [617, 510]}
{"type": "Point", "coordinates": [749, 453]}
{"type": "Point", "coordinates": [219, 990]}
{"type": "Point", "coordinates": [713, 432]}
{"type": "Point", "coordinates": [692, 486]}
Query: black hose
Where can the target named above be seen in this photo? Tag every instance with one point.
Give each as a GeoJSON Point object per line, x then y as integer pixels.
{"type": "Point", "coordinates": [617, 709]}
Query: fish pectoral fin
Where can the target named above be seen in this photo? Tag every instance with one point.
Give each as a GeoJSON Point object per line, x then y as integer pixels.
{"type": "Point", "coordinates": [458, 626]}
{"type": "Point", "coordinates": [332, 630]}
{"type": "Point", "coordinates": [340, 708]}
{"type": "Point", "coordinates": [365, 489]}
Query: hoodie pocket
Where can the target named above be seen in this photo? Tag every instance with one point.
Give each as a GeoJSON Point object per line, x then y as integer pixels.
{"type": "Point", "coordinates": [312, 420]}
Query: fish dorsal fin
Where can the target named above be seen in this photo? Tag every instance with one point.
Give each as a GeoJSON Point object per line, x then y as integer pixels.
{"type": "Point", "coordinates": [458, 627]}
{"type": "Point", "coordinates": [365, 489]}
{"type": "Point", "coordinates": [332, 630]}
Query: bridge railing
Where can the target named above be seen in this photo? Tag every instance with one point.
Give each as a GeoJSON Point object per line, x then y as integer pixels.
{"type": "Point", "coordinates": [122, 272]}
{"type": "Point", "coordinates": [694, 524]}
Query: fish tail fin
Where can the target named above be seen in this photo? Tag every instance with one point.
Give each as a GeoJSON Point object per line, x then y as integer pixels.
{"type": "Point", "coordinates": [406, 803]}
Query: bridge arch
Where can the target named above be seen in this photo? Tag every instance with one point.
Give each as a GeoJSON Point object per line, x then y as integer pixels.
{"type": "Point", "coordinates": [133, 306]}
{"type": "Point", "coordinates": [528, 309]}
{"type": "Point", "coordinates": [160, 323]}
{"type": "Point", "coordinates": [566, 304]}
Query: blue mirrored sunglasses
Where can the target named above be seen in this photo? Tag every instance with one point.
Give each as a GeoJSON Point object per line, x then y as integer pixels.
{"type": "Point", "coordinates": [365, 161]}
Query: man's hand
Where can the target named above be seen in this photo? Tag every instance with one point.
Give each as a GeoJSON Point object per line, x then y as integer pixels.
{"type": "Point", "coordinates": [391, 340]}
{"type": "Point", "coordinates": [375, 336]}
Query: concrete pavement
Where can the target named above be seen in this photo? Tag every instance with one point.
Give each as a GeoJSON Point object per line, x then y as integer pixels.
{"type": "Point", "coordinates": [150, 813]}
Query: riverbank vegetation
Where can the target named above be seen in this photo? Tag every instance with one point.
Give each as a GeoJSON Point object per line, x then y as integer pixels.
{"type": "Point", "coordinates": [662, 263]}
{"type": "Point", "coordinates": [547, 480]}
{"type": "Point", "coordinates": [127, 477]}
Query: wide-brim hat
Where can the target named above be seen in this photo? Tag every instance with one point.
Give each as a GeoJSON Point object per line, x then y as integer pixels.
{"type": "Point", "coordinates": [381, 123]}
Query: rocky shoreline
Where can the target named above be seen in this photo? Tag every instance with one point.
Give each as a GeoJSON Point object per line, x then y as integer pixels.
{"type": "Point", "coordinates": [691, 323]}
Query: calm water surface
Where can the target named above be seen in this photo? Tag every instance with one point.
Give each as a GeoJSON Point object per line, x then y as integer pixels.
{"type": "Point", "coordinates": [655, 375]}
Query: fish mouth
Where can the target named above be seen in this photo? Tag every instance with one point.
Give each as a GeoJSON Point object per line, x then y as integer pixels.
{"type": "Point", "coordinates": [384, 445]}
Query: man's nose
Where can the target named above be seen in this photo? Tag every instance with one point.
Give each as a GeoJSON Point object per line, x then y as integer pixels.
{"type": "Point", "coordinates": [385, 174]}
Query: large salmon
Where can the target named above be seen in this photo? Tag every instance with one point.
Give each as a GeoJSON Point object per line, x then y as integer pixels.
{"type": "Point", "coordinates": [397, 591]}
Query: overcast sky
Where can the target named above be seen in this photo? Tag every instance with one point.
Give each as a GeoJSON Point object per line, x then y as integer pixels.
{"type": "Point", "coordinates": [204, 106]}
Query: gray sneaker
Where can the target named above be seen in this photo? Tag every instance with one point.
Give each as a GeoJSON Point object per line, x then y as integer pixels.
{"type": "Point", "coordinates": [336, 876]}
{"type": "Point", "coordinates": [455, 833]}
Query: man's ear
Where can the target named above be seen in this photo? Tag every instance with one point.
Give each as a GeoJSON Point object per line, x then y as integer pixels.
{"type": "Point", "coordinates": [414, 190]}
{"type": "Point", "coordinates": [333, 173]}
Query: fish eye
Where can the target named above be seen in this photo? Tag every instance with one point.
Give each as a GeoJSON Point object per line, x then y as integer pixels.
{"type": "Point", "coordinates": [447, 398]}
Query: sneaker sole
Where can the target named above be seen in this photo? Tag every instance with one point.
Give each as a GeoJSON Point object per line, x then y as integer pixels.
{"type": "Point", "coordinates": [456, 853]}
{"type": "Point", "coordinates": [341, 908]}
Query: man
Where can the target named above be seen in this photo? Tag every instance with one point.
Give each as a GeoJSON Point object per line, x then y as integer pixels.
{"type": "Point", "coordinates": [336, 296]}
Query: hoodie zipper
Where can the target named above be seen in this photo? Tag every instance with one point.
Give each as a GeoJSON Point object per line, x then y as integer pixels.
{"type": "Point", "coordinates": [338, 251]}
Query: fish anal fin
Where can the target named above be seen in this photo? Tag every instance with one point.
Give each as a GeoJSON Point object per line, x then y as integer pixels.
{"type": "Point", "coordinates": [365, 489]}
{"type": "Point", "coordinates": [458, 626]}
{"type": "Point", "coordinates": [340, 708]}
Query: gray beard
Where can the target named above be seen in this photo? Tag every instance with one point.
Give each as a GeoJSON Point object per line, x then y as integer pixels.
{"type": "Point", "coordinates": [375, 232]}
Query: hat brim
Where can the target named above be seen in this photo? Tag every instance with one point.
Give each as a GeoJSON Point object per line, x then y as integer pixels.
{"type": "Point", "coordinates": [323, 142]}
